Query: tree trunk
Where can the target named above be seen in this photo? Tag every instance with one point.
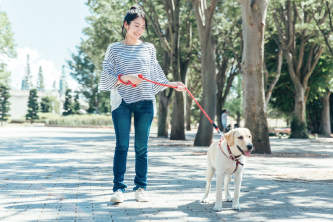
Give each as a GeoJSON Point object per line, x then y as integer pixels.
{"type": "Point", "coordinates": [298, 123]}
{"type": "Point", "coordinates": [220, 80]}
{"type": "Point", "coordinates": [178, 120]}
{"type": "Point", "coordinates": [253, 19]}
{"type": "Point", "coordinates": [163, 110]}
{"type": "Point", "coordinates": [238, 118]}
{"type": "Point", "coordinates": [165, 99]}
{"type": "Point", "coordinates": [204, 17]}
{"type": "Point", "coordinates": [188, 112]}
{"type": "Point", "coordinates": [325, 123]}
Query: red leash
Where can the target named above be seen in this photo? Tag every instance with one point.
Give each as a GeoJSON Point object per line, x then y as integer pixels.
{"type": "Point", "coordinates": [157, 83]}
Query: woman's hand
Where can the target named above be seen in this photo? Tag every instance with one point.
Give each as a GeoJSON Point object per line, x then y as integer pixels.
{"type": "Point", "coordinates": [180, 86]}
{"type": "Point", "coordinates": [134, 78]}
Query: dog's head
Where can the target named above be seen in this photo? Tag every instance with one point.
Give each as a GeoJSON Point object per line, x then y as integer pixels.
{"type": "Point", "coordinates": [240, 139]}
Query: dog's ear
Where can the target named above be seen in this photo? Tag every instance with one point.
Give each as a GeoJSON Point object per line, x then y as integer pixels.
{"type": "Point", "coordinates": [229, 137]}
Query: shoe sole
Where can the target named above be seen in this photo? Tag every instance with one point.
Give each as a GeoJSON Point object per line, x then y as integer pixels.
{"type": "Point", "coordinates": [116, 201]}
{"type": "Point", "coordinates": [142, 200]}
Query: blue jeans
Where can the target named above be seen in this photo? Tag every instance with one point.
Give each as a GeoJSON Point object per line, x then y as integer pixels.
{"type": "Point", "coordinates": [143, 116]}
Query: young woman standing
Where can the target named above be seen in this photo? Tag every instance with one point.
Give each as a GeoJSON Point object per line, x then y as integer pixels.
{"type": "Point", "coordinates": [123, 62]}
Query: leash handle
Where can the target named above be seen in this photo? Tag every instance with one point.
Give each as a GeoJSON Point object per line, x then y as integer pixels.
{"type": "Point", "coordinates": [125, 83]}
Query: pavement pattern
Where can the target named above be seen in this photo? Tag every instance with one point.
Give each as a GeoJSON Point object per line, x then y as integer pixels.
{"type": "Point", "coordinates": [65, 174]}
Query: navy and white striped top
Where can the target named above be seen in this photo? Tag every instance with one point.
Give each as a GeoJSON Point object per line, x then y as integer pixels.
{"type": "Point", "coordinates": [132, 59]}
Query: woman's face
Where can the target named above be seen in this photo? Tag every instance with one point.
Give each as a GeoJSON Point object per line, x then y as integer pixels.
{"type": "Point", "coordinates": [136, 28]}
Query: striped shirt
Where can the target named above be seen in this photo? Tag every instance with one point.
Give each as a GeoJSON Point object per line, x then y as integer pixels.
{"type": "Point", "coordinates": [132, 59]}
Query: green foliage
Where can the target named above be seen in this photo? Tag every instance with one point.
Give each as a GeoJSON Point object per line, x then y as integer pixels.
{"type": "Point", "coordinates": [4, 75]}
{"type": "Point", "coordinates": [4, 103]}
{"type": "Point", "coordinates": [7, 47]}
{"type": "Point", "coordinates": [33, 107]}
{"type": "Point", "coordinates": [46, 105]}
{"type": "Point", "coordinates": [27, 77]}
{"type": "Point", "coordinates": [63, 82]}
{"type": "Point", "coordinates": [234, 102]}
{"type": "Point", "coordinates": [68, 105]}
{"type": "Point", "coordinates": [7, 44]}
{"type": "Point", "coordinates": [77, 105]}
{"type": "Point", "coordinates": [81, 120]}
{"type": "Point", "coordinates": [40, 82]}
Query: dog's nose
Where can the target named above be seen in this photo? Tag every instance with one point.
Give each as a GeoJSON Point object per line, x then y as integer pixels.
{"type": "Point", "coordinates": [249, 147]}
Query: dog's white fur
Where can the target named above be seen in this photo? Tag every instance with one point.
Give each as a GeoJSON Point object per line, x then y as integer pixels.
{"type": "Point", "coordinates": [224, 166]}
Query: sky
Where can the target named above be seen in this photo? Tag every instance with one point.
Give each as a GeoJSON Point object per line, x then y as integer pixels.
{"type": "Point", "coordinates": [47, 30]}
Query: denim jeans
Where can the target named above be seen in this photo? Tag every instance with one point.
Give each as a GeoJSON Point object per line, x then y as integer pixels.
{"type": "Point", "coordinates": [143, 116]}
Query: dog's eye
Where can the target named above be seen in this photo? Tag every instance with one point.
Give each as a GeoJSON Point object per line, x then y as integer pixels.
{"type": "Point", "coordinates": [240, 137]}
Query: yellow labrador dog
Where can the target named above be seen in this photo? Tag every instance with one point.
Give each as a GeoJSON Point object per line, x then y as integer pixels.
{"type": "Point", "coordinates": [227, 157]}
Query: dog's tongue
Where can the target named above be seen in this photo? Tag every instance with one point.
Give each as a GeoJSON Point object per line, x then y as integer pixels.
{"type": "Point", "coordinates": [247, 153]}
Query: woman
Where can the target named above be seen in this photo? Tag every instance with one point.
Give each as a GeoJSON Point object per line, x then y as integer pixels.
{"type": "Point", "coordinates": [123, 62]}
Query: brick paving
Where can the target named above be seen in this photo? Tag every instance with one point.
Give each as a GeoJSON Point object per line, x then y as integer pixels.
{"type": "Point", "coordinates": [65, 174]}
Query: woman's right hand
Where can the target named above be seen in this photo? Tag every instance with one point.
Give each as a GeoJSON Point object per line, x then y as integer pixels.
{"type": "Point", "coordinates": [134, 78]}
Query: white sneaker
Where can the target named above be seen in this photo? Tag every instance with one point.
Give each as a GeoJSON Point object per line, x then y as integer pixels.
{"type": "Point", "coordinates": [140, 195]}
{"type": "Point", "coordinates": [117, 197]}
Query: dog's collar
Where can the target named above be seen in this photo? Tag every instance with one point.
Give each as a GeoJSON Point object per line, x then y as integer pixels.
{"type": "Point", "coordinates": [231, 156]}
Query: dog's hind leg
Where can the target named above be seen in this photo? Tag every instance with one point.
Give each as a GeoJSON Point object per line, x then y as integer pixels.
{"type": "Point", "coordinates": [237, 181]}
{"type": "Point", "coordinates": [227, 195]}
{"type": "Point", "coordinates": [209, 176]}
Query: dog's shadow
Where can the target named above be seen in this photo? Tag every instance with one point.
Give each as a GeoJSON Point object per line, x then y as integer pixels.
{"type": "Point", "coordinates": [199, 208]}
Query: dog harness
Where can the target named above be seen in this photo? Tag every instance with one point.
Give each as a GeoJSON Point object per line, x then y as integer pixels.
{"type": "Point", "coordinates": [231, 156]}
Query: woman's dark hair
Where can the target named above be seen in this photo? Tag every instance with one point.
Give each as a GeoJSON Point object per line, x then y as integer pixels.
{"type": "Point", "coordinates": [132, 14]}
{"type": "Point", "coordinates": [224, 110]}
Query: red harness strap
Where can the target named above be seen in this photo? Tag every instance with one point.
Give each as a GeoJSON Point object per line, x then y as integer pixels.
{"type": "Point", "coordinates": [231, 156]}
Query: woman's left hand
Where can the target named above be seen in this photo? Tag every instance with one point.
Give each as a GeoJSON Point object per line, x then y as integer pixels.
{"type": "Point", "coordinates": [180, 86]}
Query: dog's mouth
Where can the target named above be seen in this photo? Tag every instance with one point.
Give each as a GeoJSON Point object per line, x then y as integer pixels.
{"type": "Point", "coordinates": [245, 153]}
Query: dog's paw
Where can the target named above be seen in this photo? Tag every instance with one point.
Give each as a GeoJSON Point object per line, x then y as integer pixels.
{"type": "Point", "coordinates": [218, 207]}
{"type": "Point", "coordinates": [228, 199]}
{"type": "Point", "coordinates": [205, 200]}
{"type": "Point", "coordinates": [236, 207]}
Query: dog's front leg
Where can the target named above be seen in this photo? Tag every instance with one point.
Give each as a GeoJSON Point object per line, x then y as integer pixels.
{"type": "Point", "coordinates": [227, 195]}
{"type": "Point", "coordinates": [219, 184]}
{"type": "Point", "coordinates": [238, 181]}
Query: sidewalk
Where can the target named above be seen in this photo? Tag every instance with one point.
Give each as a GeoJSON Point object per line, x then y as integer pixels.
{"type": "Point", "coordinates": [65, 174]}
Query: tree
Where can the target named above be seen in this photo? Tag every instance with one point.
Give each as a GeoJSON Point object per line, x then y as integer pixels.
{"type": "Point", "coordinates": [194, 86]}
{"type": "Point", "coordinates": [40, 82]}
{"type": "Point", "coordinates": [46, 105]}
{"type": "Point", "coordinates": [7, 44]}
{"type": "Point", "coordinates": [68, 105]}
{"type": "Point", "coordinates": [253, 19]}
{"type": "Point", "coordinates": [326, 29]}
{"type": "Point", "coordinates": [63, 82]}
{"type": "Point", "coordinates": [27, 77]}
{"type": "Point", "coordinates": [77, 105]}
{"type": "Point", "coordinates": [7, 47]}
{"type": "Point", "coordinates": [302, 57]}
{"type": "Point", "coordinates": [33, 107]}
{"type": "Point", "coordinates": [83, 70]}
{"type": "Point", "coordinates": [234, 102]}
{"type": "Point", "coordinates": [179, 52]}
{"type": "Point", "coordinates": [228, 35]}
{"type": "Point", "coordinates": [54, 87]}
{"type": "Point", "coordinates": [4, 103]}
{"type": "Point", "coordinates": [204, 16]}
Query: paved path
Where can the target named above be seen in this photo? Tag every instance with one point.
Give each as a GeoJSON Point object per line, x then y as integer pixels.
{"type": "Point", "coordinates": [65, 174]}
